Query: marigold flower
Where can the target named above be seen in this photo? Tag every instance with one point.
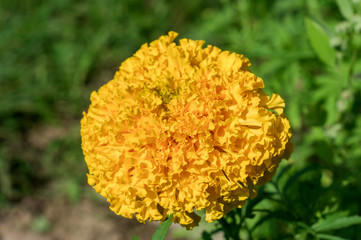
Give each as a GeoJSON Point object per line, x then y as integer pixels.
{"type": "Point", "coordinates": [182, 128]}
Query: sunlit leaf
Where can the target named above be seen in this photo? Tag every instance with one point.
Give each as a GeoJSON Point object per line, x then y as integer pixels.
{"type": "Point", "coordinates": [345, 8]}
{"type": "Point", "coordinates": [320, 42]}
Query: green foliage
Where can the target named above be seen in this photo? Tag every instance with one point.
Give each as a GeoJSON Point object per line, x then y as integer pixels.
{"type": "Point", "coordinates": [320, 42]}
{"type": "Point", "coordinates": [345, 8]}
{"type": "Point", "coordinates": [55, 53]}
{"type": "Point", "coordinates": [333, 223]}
{"type": "Point", "coordinates": [135, 238]}
{"type": "Point", "coordinates": [163, 228]}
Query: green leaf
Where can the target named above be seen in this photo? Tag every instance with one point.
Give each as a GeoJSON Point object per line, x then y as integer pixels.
{"type": "Point", "coordinates": [296, 176]}
{"type": "Point", "coordinates": [332, 113]}
{"type": "Point", "coordinates": [327, 86]}
{"type": "Point", "coordinates": [329, 237]}
{"type": "Point", "coordinates": [135, 237]}
{"type": "Point", "coordinates": [333, 224]}
{"type": "Point", "coordinates": [162, 230]}
{"type": "Point", "coordinates": [345, 8]}
{"type": "Point", "coordinates": [320, 42]}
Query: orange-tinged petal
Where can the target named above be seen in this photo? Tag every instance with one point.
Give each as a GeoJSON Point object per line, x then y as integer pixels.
{"type": "Point", "coordinates": [182, 128]}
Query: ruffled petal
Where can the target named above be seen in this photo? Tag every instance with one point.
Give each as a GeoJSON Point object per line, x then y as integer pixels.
{"type": "Point", "coordinates": [182, 128]}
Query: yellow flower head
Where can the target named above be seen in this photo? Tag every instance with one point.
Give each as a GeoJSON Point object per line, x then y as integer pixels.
{"type": "Point", "coordinates": [182, 128]}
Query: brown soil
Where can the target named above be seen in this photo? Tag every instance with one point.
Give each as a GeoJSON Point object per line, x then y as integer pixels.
{"type": "Point", "coordinates": [37, 219]}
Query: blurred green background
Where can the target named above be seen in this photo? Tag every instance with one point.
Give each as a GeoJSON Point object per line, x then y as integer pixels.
{"type": "Point", "coordinates": [55, 53]}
